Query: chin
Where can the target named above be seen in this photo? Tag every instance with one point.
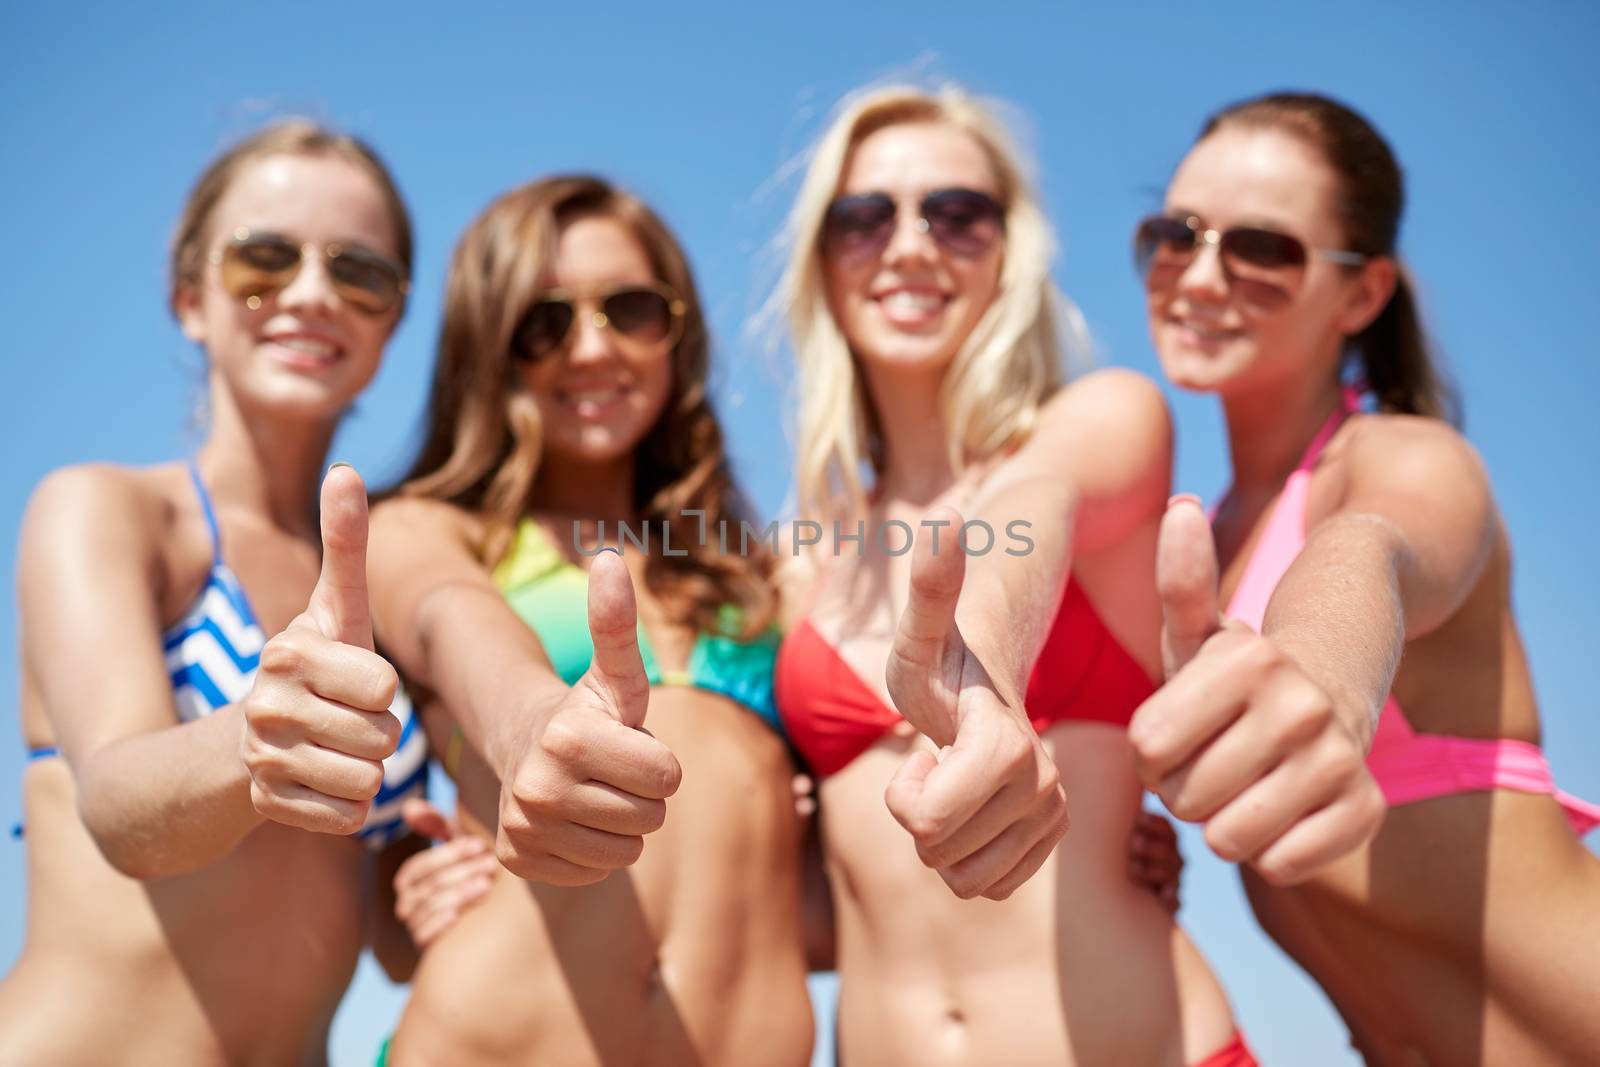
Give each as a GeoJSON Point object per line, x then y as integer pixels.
{"type": "Point", "coordinates": [591, 446]}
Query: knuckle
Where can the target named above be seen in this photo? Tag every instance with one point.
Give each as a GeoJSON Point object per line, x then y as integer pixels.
{"type": "Point", "coordinates": [1224, 842]}
{"type": "Point", "coordinates": [1256, 656]}
{"type": "Point", "coordinates": [1280, 872]}
{"type": "Point", "coordinates": [561, 740]}
{"type": "Point", "coordinates": [285, 655]}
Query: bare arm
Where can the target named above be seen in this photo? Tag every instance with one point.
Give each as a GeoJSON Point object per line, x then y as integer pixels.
{"type": "Point", "coordinates": [581, 783]}
{"type": "Point", "coordinates": [158, 797]}
{"type": "Point", "coordinates": [1097, 466]}
{"type": "Point", "coordinates": [1395, 559]}
{"type": "Point", "coordinates": [988, 810]}
{"type": "Point", "coordinates": [445, 623]}
{"type": "Point", "coordinates": [1264, 737]}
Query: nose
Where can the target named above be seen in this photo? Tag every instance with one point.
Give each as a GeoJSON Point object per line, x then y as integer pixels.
{"type": "Point", "coordinates": [1203, 278]}
{"type": "Point", "coordinates": [592, 340]}
{"type": "Point", "coordinates": [311, 287]}
{"type": "Point", "coordinates": [911, 241]}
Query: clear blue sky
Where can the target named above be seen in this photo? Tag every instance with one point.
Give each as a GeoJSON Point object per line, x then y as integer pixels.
{"type": "Point", "coordinates": [111, 110]}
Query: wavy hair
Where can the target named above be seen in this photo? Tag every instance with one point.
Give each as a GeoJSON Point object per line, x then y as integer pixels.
{"type": "Point", "coordinates": [482, 441]}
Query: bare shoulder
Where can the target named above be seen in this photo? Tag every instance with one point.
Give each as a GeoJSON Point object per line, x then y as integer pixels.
{"type": "Point", "coordinates": [101, 505]}
{"type": "Point", "coordinates": [1112, 429]}
{"type": "Point", "coordinates": [1423, 458]}
{"type": "Point", "coordinates": [408, 517]}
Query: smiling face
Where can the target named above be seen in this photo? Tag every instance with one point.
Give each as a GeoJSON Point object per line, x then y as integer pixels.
{"type": "Point", "coordinates": [1215, 328]}
{"type": "Point", "coordinates": [600, 393]}
{"type": "Point", "coordinates": [915, 302]}
{"type": "Point", "coordinates": [302, 350]}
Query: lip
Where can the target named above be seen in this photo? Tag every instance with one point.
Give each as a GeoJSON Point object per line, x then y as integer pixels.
{"type": "Point", "coordinates": [594, 401]}
{"type": "Point", "coordinates": [1200, 331]}
{"type": "Point", "coordinates": [925, 307]}
{"type": "Point", "coordinates": [304, 349]}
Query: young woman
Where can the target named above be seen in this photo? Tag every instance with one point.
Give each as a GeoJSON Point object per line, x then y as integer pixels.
{"type": "Point", "coordinates": [925, 327]}
{"type": "Point", "coordinates": [570, 397]}
{"type": "Point", "coordinates": [1365, 547]}
{"type": "Point", "coordinates": [172, 916]}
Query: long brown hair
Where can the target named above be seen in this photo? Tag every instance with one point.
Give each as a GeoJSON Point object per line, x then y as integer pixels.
{"type": "Point", "coordinates": [1394, 351]}
{"type": "Point", "coordinates": [292, 137]}
{"type": "Point", "coordinates": [482, 442]}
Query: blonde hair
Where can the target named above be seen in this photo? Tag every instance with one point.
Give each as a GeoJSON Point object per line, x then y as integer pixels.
{"type": "Point", "coordinates": [1003, 372]}
{"type": "Point", "coordinates": [483, 439]}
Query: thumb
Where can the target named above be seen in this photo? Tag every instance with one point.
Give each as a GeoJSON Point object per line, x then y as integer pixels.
{"type": "Point", "coordinates": [426, 819]}
{"type": "Point", "coordinates": [904, 792]}
{"type": "Point", "coordinates": [339, 601]}
{"type": "Point", "coordinates": [613, 629]}
{"type": "Point", "coordinates": [1186, 580]}
{"type": "Point", "coordinates": [937, 570]}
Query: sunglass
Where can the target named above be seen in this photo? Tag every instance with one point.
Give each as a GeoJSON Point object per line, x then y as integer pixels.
{"type": "Point", "coordinates": [647, 314]}
{"type": "Point", "coordinates": [963, 221]}
{"type": "Point", "coordinates": [1168, 240]}
{"type": "Point", "coordinates": [257, 265]}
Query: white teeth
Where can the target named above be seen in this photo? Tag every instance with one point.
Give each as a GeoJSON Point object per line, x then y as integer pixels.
{"type": "Point", "coordinates": [308, 345]}
{"type": "Point", "coordinates": [914, 302]}
{"type": "Point", "coordinates": [592, 396]}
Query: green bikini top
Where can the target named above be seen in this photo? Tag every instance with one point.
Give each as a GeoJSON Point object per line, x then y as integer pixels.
{"type": "Point", "coordinates": [551, 595]}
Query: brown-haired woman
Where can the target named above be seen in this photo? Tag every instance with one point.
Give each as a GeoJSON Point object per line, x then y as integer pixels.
{"type": "Point", "coordinates": [569, 397]}
{"type": "Point", "coordinates": [1365, 548]}
{"type": "Point", "coordinates": [178, 910]}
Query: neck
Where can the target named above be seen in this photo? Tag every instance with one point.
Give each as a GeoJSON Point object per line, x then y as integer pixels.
{"type": "Point", "coordinates": [1269, 429]}
{"type": "Point", "coordinates": [916, 446]}
{"type": "Point", "coordinates": [580, 490]}
{"type": "Point", "coordinates": [264, 463]}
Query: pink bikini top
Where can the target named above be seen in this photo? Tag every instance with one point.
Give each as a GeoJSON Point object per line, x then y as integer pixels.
{"type": "Point", "coordinates": [1407, 765]}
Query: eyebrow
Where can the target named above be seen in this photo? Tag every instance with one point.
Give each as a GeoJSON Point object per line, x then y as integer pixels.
{"type": "Point", "coordinates": [1256, 221]}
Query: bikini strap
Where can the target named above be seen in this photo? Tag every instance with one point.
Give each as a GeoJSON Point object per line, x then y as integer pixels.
{"type": "Point", "coordinates": [205, 506]}
{"type": "Point", "coordinates": [1349, 404]}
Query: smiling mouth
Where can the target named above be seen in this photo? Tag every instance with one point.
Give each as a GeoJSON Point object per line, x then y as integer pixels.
{"type": "Point", "coordinates": [1203, 333]}
{"type": "Point", "coordinates": [306, 352]}
{"type": "Point", "coordinates": [912, 307]}
{"type": "Point", "coordinates": [593, 403]}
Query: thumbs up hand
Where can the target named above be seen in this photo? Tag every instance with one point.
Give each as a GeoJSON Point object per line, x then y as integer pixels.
{"type": "Point", "coordinates": [988, 810]}
{"type": "Point", "coordinates": [317, 725]}
{"type": "Point", "coordinates": [1241, 738]}
{"type": "Point", "coordinates": [587, 781]}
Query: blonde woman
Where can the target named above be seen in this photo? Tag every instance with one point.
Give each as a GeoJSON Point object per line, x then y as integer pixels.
{"type": "Point", "coordinates": [926, 330]}
{"type": "Point", "coordinates": [570, 396]}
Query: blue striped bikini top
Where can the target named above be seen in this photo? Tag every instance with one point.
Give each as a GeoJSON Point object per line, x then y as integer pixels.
{"type": "Point", "coordinates": [212, 654]}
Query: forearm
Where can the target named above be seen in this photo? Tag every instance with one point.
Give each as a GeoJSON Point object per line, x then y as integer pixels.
{"type": "Point", "coordinates": [1011, 594]}
{"type": "Point", "coordinates": [1339, 614]}
{"type": "Point", "coordinates": [171, 800]}
{"type": "Point", "coordinates": [487, 667]}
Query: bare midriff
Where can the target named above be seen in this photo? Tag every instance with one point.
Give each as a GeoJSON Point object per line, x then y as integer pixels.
{"type": "Point", "coordinates": [243, 962]}
{"type": "Point", "coordinates": [691, 956]}
{"type": "Point", "coordinates": [1079, 966]}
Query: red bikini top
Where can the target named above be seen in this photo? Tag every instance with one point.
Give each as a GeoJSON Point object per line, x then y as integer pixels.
{"type": "Point", "coordinates": [832, 716]}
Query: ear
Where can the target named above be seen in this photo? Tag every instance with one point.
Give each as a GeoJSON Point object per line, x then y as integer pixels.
{"type": "Point", "coordinates": [1368, 294]}
{"type": "Point", "coordinates": [186, 306]}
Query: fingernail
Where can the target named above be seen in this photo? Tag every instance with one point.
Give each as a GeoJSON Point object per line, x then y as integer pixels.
{"type": "Point", "coordinates": [1179, 498]}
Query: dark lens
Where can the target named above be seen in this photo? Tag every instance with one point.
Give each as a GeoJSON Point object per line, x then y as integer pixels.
{"type": "Point", "coordinates": [259, 265]}
{"type": "Point", "coordinates": [857, 225]}
{"type": "Point", "coordinates": [1161, 234]}
{"type": "Point", "coordinates": [543, 329]}
{"type": "Point", "coordinates": [364, 278]}
{"type": "Point", "coordinates": [1265, 249]}
{"type": "Point", "coordinates": [642, 314]}
{"type": "Point", "coordinates": [965, 221]}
